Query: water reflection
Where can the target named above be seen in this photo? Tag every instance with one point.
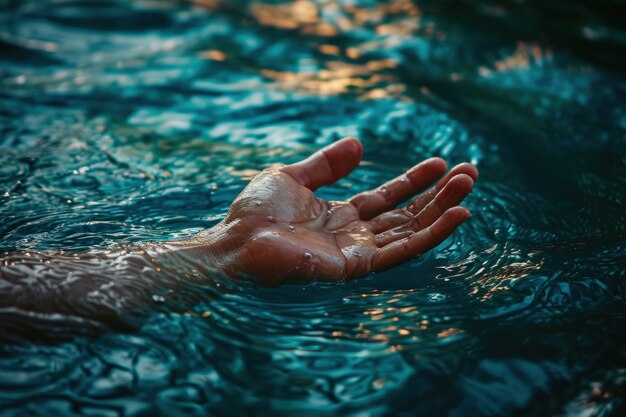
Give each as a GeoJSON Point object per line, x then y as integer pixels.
{"type": "Point", "coordinates": [342, 78]}
{"type": "Point", "coordinates": [132, 122]}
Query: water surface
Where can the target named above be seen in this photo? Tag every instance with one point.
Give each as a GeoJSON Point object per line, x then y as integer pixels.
{"type": "Point", "coordinates": [126, 122]}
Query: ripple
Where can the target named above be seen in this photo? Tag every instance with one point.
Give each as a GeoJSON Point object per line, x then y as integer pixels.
{"type": "Point", "coordinates": [124, 123]}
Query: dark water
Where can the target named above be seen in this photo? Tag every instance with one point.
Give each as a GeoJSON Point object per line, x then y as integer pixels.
{"type": "Point", "coordinates": [139, 121]}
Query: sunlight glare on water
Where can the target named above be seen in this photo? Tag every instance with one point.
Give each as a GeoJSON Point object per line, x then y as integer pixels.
{"type": "Point", "coordinates": [126, 122]}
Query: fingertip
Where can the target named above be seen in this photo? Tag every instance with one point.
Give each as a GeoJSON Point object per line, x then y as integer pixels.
{"type": "Point", "coordinates": [458, 214]}
{"type": "Point", "coordinates": [476, 173]}
{"type": "Point", "coordinates": [468, 169]}
{"type": "Point", "coordinates": [327, 165]}
{"type": "Point", "coordinates": [352, 146]}
{"type": "Point", "coordinates": [466, 212]}
{"type": "Point", "coordinates": [463, 182]}
{"type": "Point", "coordinates": [349, 150]}
{"type": "Point", "coordinates": [435, 161]}
{"type": "Point", "coordinates": [355, 143]}
{"type": "Point", "coordinates": [343, 156]}
{"type": "Point", "coordinates": [434, 167]}
{"type": "Point", "coordinates": [439, 165]}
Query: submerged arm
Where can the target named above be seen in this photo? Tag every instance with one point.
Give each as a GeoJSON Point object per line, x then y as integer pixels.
{"type": "Point", "coordinates": [106, 287]}
{"type": "Point", "coordinates": [276, 231]}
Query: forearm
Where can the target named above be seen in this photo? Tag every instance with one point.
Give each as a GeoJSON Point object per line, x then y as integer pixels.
{"type": "Point", "coordinates": [107, 284]}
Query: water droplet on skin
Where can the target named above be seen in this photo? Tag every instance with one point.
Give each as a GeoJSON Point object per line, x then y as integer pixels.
{"type": "Point", "coordinates": [271, 219]}
{"type": "Point", "coordinates": [291, 227]}
{"type": "Point", "coordinates": [384, 190]}
{"type": "Point", "coordinates": [329, 212]}
{"type": "Point", "coordinates": [402, 179]}
{"type": "Point", "coordinates": [308, 256]}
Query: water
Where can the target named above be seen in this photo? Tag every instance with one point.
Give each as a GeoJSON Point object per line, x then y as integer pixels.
{"type": "Point", "coordinates": [125, 122]}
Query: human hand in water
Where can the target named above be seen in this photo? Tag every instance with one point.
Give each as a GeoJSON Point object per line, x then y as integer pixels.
{"type": "Point", "coordinates": [277, 230]}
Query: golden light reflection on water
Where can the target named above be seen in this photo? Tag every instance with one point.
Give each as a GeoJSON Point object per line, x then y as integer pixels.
{"type": "Point", "coordinates": [497, 280]}
{"type": "Point", "coordinates": [313, 18]}
{"type": "Point", "coordinates": [356, 68]}
{"type": "Point", "coordinates": [303, 15]}
{"type": "Point", "coordinates": [213, 54]}
{"type": "Point", "coordinates": [522, 58]}
{"type": "Point", "coordinates": [399, 326]}
{"type": "Point", "coordinates": [337, 66]}
{"type": "Point", "coordinates": [486, 283]}
{"type": "Point", "coordinates": [341, 78]}
{"type": "Point", "coordinates": [208, 4]}
{"type": "Point", "coordinates": [368, 79]}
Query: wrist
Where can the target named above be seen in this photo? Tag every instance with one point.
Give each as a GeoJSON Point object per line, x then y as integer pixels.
{"type": "Point", "coordinates": [206, 254]}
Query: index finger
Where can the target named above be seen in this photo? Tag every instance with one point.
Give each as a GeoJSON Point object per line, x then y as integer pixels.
{"type": "Point", "coordinates": [374, 202]}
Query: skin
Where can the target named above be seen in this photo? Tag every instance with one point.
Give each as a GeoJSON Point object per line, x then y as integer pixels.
{"type": "Point", "coordinates": [278, 231]}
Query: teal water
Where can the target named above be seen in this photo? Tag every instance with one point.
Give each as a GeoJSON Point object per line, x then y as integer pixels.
{"type": "Point", "coordinates": [137, 121]}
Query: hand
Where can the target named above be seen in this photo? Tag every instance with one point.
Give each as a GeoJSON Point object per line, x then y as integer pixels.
{"type": "Point", "coordinates": [277, 231]}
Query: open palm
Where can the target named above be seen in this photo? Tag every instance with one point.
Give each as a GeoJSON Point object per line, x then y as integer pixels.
{"type": "Point", "coordinates": [283, 233]}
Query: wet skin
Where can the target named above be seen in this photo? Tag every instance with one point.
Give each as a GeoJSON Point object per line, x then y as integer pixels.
{"type": "Point", "coordinates": [277, 231]}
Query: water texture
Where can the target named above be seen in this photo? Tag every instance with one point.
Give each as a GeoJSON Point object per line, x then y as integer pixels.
{"type": "Point", "coordinates": [125, 122]}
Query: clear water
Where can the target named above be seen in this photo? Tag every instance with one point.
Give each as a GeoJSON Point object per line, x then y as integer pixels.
{"type": "Point", "coordinates": [138, 121]}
